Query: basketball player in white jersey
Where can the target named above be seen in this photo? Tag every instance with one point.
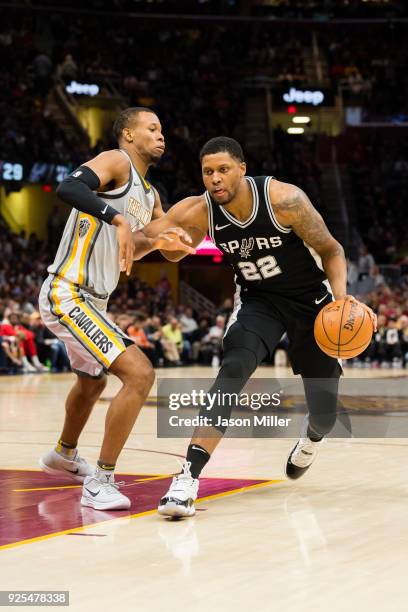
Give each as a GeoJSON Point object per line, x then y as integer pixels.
{"type": "Point", "coordinates": [111, 199]}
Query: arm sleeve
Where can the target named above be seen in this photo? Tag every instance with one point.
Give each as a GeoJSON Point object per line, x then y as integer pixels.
{"type": "Point", "coordinates": [77, 190]}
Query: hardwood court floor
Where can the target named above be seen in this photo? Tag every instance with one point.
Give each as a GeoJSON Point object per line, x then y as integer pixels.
{"type": "Point", "coordinates": [336, 539]}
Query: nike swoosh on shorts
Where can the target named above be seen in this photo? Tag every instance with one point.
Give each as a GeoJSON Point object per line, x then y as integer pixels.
{"type": "Point", "coordinates": [321, 300]}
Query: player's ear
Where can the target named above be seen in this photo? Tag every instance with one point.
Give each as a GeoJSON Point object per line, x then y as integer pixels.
{"type": "Point", "coordinates": [127, 135]}
{"type": "Point", "coordinates": [242, 167]}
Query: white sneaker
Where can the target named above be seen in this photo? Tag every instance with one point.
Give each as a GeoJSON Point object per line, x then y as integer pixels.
{"type": "Point", "coordinates": [302, 455]}
{"type": "Point", "coordinates": [103, 495]}
{"type": "Point", "coordinates": [76, 468]}
{"type": "Point", "coordinates": [179, 499]}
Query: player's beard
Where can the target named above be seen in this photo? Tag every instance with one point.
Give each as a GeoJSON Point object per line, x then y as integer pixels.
{"type": "Point", "coordinates": [226, 199]}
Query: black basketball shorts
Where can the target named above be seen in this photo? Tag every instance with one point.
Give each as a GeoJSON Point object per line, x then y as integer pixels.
{"type": "Point", "coordinates": [269, 316]}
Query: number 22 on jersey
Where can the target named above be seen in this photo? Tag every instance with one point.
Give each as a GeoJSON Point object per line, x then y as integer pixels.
{"type": "Point", "coordinates": [265, 267]}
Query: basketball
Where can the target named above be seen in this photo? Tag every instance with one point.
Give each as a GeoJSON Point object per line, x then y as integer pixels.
{"type": "Point", "coordinates": [343, 329]}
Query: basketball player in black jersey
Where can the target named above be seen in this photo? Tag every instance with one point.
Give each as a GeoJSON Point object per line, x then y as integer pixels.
{"type": "Point", "coordinates": [287, 267]}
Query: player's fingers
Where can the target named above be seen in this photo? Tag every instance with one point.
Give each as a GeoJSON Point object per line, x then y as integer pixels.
{"type": "Point", "coordinates": [180, 232]}
{"type": "Point", "coordinates": [129, 257]}
{"type": "Point", "coordinates": [166, 238]}
{"type": "Point", "coordinates": [122, 257]}
{"type": "Point", "coordinates": [373, 317]}
{"type": "Point", "coordinates": [182, 246]}
{"type": "Point", "coordinates": [185, 236]}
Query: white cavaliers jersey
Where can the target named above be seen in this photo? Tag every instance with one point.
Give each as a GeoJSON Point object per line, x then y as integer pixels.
{"type": "Point", "coordinates": [88, 254]}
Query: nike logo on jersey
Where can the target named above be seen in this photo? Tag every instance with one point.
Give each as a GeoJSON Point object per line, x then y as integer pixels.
{"type": "Point", "coordinates": [105, 209]}
{"type": "Point", "coordinates": [221, 227]}
{"type": "Point", "coordinates": [91, 493]}
{"type": "Point", "coordinates": [321, 300]}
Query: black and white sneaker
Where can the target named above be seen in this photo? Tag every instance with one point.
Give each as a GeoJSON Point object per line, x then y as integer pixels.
{"type": "Point", "coordinates": [302, 455]}
{"type": "Point", "coordinates": [179, 499]}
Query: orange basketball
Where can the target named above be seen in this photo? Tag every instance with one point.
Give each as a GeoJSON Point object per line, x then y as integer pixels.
{"type": "Point", "coordinates": [343, 329]}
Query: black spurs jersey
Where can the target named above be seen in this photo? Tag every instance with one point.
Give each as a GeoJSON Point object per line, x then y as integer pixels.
{"type": "Point", "coordinates": [264, 255]}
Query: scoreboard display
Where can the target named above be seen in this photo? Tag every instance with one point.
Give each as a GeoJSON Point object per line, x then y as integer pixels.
{"type": "Point", "coordinates": [39, 172]}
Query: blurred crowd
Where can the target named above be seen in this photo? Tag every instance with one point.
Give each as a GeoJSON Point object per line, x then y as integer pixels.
{"type": "Point", "coordinates": [195, 76]}
{"type": "Point", "coordinates": [169, 333]}
{"type": "Point", "coordinates": [368, 63]}
{"type": "Point", "coordinates": [377, 166]}
{"type": "Point", "coordinates": [389, 346]}
{"type": "Point", "coordinates": [176, 335]}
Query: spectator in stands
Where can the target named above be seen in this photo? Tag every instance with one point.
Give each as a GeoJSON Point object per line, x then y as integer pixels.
{"type": "Point", "coordinates": [199, 334]}
{"type": "Point", "coordinates": [68, 69]}
{"type": "Point", "coordinates": [174, 346]}
{"type": "Point", "coordinates": [226, 308]}
{"type": "Point", "coordinates": [55, 352]}
{"type": "Point", "coordinates": [403, 331]}
{"type": "Point", "coordinates": [188, 324]}
{"type": "Point", "coordinates": [392, 345]}
{"type": "Point", "coordinates": [11, 354]}
{"type": "Point", "coordinates": [365, 263]}
{"type": "Point", "coordinates": [376, 276]}
{"type": "Point", "coordinates": [124, 321]}
{"type": "Point", "coordinates": [28, 348]}
{"type": "Point", "coordinates": [154, 334]}
{"type": "Point", "coordinates": [137, 333]}
{"type": "Point", "coordinates": [211, 344]}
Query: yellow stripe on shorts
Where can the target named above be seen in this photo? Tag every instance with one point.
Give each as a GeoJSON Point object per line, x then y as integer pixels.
{"type": "Point", "coordinates": [76, 331]}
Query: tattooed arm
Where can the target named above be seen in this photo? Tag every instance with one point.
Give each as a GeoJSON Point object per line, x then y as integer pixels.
{"type": "Point", "coordinates": [294, 209]}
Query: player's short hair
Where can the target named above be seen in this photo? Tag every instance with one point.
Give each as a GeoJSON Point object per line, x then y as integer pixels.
{"type": "Point", "coordinates": [222, 144]}
{"type": "Point", "coordinates": [124, 119]}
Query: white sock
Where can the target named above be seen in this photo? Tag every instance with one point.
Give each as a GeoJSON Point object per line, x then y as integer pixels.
{"type": "Point", "coordinates": [106, 476]}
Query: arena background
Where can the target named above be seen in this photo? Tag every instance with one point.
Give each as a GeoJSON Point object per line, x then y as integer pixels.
{"type": "Point", "coordinates": [316, 92]}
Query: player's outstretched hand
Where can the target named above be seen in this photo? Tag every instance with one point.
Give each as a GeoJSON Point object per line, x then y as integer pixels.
{"type": "Point", "coordinates": [125, 241]}
{"type": "Point", "coordinates": [370, 312]}
{"type": "Point", "coordinates": [174, 239]}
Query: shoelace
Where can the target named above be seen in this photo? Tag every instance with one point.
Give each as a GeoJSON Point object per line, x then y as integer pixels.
{"type": "Point", "coordinates": [184, 478]}
{"type": "Point", "coordinates": [108, 486]}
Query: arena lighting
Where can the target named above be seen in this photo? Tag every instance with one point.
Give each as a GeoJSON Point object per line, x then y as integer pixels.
{"type": "Point", "coordinates": [85, 89]}
{"type": "Point", "coordinates": [301, 119]}
{"type": "Point", "coordinates": [292, 109]}
{"type": "Point", "coordinates": [300, 96]}
{"type": "Point", "coordinates": [295, 130]}
{"type": "Point", "coordinates": [207, 247]}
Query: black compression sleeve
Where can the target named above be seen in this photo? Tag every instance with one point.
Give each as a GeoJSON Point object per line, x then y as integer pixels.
{"type": "Point", "coordinates": [77, 190]}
